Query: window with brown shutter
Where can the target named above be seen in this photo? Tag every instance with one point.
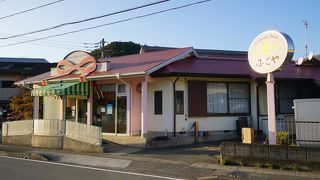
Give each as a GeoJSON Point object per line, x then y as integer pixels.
{"type": "Point", "coordinates": [197, 98]}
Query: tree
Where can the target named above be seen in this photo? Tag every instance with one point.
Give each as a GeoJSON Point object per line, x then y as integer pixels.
{"type": "Point", "coordinates": [117, 48]}
{"type": "Point", "coordinates": [5, 114]}
{"type": "Point", "coordinates": [21, 106]}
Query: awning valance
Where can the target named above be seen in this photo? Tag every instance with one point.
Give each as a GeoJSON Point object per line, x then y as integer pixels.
{"type": "Point", "coordinates": [63, 89]}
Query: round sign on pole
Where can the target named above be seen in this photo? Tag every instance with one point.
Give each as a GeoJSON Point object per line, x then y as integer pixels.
{"type": "Point", "coordinates": [270, 51]}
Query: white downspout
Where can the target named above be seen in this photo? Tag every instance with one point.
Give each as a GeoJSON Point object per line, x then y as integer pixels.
{"type": "Point", "coordinates": [129, 101]}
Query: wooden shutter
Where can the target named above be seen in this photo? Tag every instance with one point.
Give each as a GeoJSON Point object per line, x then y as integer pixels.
{"type": "Point", "coordinates": [197, 98]}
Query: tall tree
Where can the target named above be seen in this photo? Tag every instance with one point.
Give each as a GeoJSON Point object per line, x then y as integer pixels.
{"type": "Point", "coordinates": [117, 48]}
{"type": "Point", "coordinates": [21, 106]}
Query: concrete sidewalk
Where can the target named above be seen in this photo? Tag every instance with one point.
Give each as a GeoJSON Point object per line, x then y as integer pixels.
{"type": "Point", "coordinates": [189, 162]}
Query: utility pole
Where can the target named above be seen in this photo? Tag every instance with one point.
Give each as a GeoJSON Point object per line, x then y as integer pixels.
{"type": "Point", "coordinates": [305, 22]}
{"type": "Point", "coordinates": [102, 48]}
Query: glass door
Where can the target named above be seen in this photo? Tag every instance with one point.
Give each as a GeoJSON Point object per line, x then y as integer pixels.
{"type": "Point", "coordinates": [82, 111]}
{"type": "Point", "coordinates": [110, 108]}
{"type": "Point", "coordinates": [71, 109]}
{"type": "Point", "coordinates": [108, 112]}
{"type": "Point", "coordinates": [122, 114]}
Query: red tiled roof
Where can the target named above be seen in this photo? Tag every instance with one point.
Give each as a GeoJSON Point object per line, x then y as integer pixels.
{"type": "Point", "coordinates": [139, 62]}
{"type": "Point", "coordinates": [233, 67]}
{"type": "Point", "coordinates": [125, 64]}
{"type": "Point", "coordinates": [218, 66]}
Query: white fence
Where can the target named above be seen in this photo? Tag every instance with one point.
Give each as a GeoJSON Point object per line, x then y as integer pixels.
{"type": "Point", "coordinates": [307, 116]}
{"type": "Point", "coordinates": [83, 132]}
{"type": "Point", "coordinates": [54, 127]}
{"type": "Point", "coordinates": [17, 128]}
{"type": "Point", "coordinates": [46, 127]}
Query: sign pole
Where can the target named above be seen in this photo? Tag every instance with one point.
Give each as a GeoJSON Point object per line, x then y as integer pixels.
{"type": "Point", "coordinates": [271, 109]}
{"type": "Point", "coordinates": [270, 51]}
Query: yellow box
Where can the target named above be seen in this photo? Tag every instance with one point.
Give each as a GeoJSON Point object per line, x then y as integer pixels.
{"type": "Point", "coordinates": [247, 135]}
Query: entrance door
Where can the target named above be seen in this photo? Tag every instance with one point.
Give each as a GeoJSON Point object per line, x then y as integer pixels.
{"type": "Point", "coordinates": [108, 109]}
{"type": "Point", "coordinates": [111, 109]}
{"type": "Point", "coordinates": [76, 109]}
{"type": "Point", "coordinates": [82, 111]}
{"type": "Point", "coordinates": [122, 114]}
{"type": "Point", "coordinates": [71, 109]}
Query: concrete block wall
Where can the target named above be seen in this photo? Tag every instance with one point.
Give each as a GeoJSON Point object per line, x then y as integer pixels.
{"type": "Point", "coordinates": [51, 142]}
{"type": "Point", "coordinates": [270, 152]}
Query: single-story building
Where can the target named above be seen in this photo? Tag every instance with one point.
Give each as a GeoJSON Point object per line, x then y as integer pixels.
{"type": "Point", "coordinates": [163, 91]}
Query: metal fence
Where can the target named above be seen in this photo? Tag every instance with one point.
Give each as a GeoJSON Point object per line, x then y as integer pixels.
{"type": "Point", "coordinates": [17, 128]}
{"type": "Point", "coordinates": [285, 123]}
{"type": "Point", "coordinates": [83, 132]}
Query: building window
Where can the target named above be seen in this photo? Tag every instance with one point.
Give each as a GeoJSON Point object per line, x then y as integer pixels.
{"type": "Point", "coordinates": [238, 98]}
{"type": "Point", "coordinates": [121, 88]}
{"type": "Point", "coordinates": [179, 102]}
{"type": "Point", "coordinates": [217, 101]}
{"type": "Point", "coordinates": [230, 98]}
{"type": "Point", "coordinates": [158, 102]}
{"type": "Point", "coordinates": [6, 84]}
{"type": "Point", "coordinates": [71, 109]}
{"type": "Point", "coordinates": [262, 99]}
{"type": "Point", "coordinates": [287, 92]}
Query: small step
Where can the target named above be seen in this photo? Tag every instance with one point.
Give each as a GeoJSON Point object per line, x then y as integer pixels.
{"type": "Point", "coordinates": [110, 146]}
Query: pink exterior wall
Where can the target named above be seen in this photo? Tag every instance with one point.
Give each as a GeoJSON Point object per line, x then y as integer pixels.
{"type": "Point", "coordinates": [135, 109]}
{"type": "Point", "coordinates": [90, 105]}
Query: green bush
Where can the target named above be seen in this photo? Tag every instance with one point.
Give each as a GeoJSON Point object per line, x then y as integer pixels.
{"type": "Point", "coordinates": [269, 165]}
{"type": "Point", "coordinates": [259, 165]}
{"type": "Point", "coordinates": [227, 162]}
{"type": "Point", "coordinates": [296, 167]}
{"type": "Point", "coordinates": [240, 162]}
{"type": "Point", "coordinates": [285, 167]}
{"type": "Point", "coordinates": [282, 137]}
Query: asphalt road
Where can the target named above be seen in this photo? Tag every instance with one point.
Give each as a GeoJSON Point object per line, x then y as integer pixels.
{"type": "Point", "coordinates": [21, 169]}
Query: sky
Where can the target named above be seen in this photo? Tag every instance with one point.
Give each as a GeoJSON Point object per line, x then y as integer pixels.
{"type": "Point", "coordinates": [218, 24]}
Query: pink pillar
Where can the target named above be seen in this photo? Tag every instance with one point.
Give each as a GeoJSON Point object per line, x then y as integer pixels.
{"type": "Point", "coordinates": [271, 109]}
{"type": "Point", "coordinates": [128, 92]}
{"type": "Point", "coordinates": [90, 105]}
{"type": "Point", "coordinates": [135, 109]}
{"type": "Point", "coordinates": [144, 108]}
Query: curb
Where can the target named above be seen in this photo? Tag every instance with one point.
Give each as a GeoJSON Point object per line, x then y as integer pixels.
{"type": "Point", "coordinates": [24, 155]}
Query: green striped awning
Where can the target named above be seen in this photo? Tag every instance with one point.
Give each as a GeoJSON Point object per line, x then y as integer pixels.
{"type": "Point", "coordinates": [63, 89]}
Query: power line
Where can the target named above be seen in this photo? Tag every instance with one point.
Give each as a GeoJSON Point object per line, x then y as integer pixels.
{"type": "Point", "coordinates": [56, 45]}
{"type": "Point", "coordinates": [111, 23]}
{"type": "Point", "coordinates": [68, 43]}
{"type": "Point", "coordinates": [84, 20]}
{"type": "Point", "coordinates": [38, 7]}
{"type": "Point", "coordinates": [51, 42]}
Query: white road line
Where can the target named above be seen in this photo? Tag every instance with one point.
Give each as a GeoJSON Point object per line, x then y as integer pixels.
{"type": "Point", "coordinates": [92, 168]}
